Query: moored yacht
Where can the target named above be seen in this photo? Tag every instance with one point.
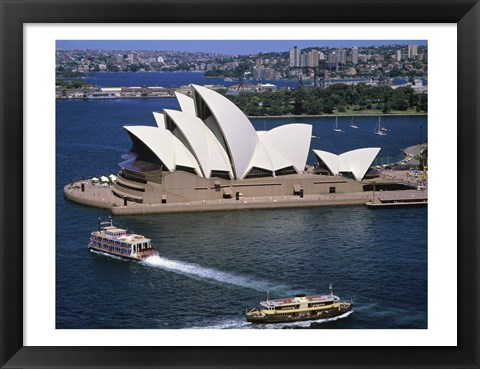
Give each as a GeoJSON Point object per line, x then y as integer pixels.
{"type": "Point", "coordinates": [379, 130]}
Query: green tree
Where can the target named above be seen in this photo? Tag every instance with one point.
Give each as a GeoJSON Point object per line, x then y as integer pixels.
{"type": "Point", "coordinates": [328, 106]}
{"type": "Point", "coordinates": [386, 108]}
{"type": "Point", "coordinates": [395, 73]}
{"type": "Point", "coordinates": [134, 67]}
{"type": "Point", "coordinates": [399, 102]}
{"type": "Point", "coordinates": [314, 107]}
{"type": "Point", "coordinates": [423, 103]}
{"type": "Point", "coordinates": [299, 99]}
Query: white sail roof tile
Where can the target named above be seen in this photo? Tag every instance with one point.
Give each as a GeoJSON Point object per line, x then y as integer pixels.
{"type": "Point", "coordinates": [224, 141]}
{"type": "Point", "coordinates": [206, 148]}
{"type": "Point", "coordinates": [292, 141]}
{"type": "Point", "coordinates": [355, 161]}
{"type": "Point", "coordinates": [165, 146]}
{"type": "Point", "coordinates": [360, 160]}
{"type": "Point", "coordinates": [186, 103]}
{"type": "Point", "coordinates": [159, 119]}
{"type": "Point", "coordinates": [240, 136]}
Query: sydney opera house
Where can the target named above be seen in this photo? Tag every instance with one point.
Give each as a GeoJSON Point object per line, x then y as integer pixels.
{"type": "Point", "coordinates": [210, 150]}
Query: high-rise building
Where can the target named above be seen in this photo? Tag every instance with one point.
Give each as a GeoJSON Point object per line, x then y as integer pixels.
{"type": "Point", "coordinates": [294, 57]}
{"type": "Point", "coordinates": [412, 51]}
{"type": "Point", "coordinates": [257, 71]}
{"type": "Point", "coordinates": [303, 60]}
{"type": "Point", "coordinates": [354, 55]}
{"type": "Point", "coordinates": [332, 58]}
{"type": "Point", "coordinates": [312, 58]}
{"type": "Point", "coordinates": [342, 56]}
{"type": "Point", "coordinates": [398, 55]}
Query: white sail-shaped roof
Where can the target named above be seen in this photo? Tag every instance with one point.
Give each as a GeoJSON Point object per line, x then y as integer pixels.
{"type": "Point", "coordinates": [292, 141]}
{"type": "Point", "coordinates": [360, 160]}
{"type": "Point", "coordinates": [159, 119]}
{"type": "Point", "coordinates": [201, 141]}
{"type": "Point", "coordinates": [186, 103]}
{"type": "Point", "coordinates": [239, 135]}
{"type": "Point", "coordinates": [329, 159]}
{"type": "Point", "coordinates": [212, 136]}
{"type": "Point", "coordinates": [268, 157]}
{"type": "Point", "coordinates": [165, 146]}
{"type": "Point", "coordinates": [355, 161]}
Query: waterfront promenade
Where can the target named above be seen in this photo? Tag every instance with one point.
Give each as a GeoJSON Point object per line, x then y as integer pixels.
{"type": "Point", "coordinates": [101, 196]}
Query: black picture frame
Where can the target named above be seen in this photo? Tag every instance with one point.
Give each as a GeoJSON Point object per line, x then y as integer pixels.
{"type": "Point", "coordinates": [14, 14]}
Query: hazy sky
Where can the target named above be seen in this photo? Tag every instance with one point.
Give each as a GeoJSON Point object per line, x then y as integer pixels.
{"type": "Point", "coordinates": [221, 46]}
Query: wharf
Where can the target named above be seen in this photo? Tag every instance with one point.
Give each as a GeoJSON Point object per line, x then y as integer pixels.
{"type": "Point", "coordinates": [387, 200]}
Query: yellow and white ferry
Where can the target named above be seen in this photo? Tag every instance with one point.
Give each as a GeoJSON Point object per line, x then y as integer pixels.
{"type": "Point", "coordinates": [120, 242]}
{"type": "Point", "coordinates": [299, 308]}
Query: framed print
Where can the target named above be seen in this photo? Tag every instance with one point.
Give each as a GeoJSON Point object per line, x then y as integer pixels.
{"type": "Point", "coordinates": [177, 303]}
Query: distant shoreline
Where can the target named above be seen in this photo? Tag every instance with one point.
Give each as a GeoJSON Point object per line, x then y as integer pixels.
{"type": "Point", "coordinates": [338, 115]}
{"type": "Point", "coordinates": [372, 114]}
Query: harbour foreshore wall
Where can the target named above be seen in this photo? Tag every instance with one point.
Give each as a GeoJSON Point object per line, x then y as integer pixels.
{"type": "Point", "coordinates": [86, 201]}
{"type": "Point", "coordinates": [244, 205]}
{"type": "Point", "coordinates": [283, 192]}
{"type": "Point", "coordinates": [249, 203]}
{"type": "Point", "coordinates": [225, 205]}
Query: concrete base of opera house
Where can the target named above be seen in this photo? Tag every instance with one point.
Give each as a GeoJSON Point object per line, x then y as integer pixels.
{"type": "Point", "coordinates": [101, 196]}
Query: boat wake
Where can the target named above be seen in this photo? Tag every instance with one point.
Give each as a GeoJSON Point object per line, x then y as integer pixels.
{"type": "Point", "coordinates": [197, 271]}
{"type": "Point", "coordinates": [107, 254]}
{"type": "Point", "coordinates": [243, 324]}
{"type": "Point", "coordinates": [304, 324]}
{"type": "Point", "coordinates": [227, 324]}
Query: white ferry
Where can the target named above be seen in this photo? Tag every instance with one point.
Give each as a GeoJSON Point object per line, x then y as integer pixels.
{"type": "Point", "coordinates": [299, 308]}
{"type": "Point", "coordinates": [101, 96]}
{"type": "Point", "coordinates": [120, 242]}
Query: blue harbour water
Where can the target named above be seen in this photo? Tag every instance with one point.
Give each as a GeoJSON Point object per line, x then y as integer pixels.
{"type": "Point", "coordinates": [170, 79]}
{"type": "Point", "coordinates": [177, 79]}
{"type": "Point", "coordinates": [214, 265]}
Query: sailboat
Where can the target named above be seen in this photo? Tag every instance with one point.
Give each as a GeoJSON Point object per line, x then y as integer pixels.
{"type": "Point", "coordinates": [352, 125]}
{"type": "Point", "coordinates": [335, 126]}
{"type": "Point", "coordinates": [378, 129]}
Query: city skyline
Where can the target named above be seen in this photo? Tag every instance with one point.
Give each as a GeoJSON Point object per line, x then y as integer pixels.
{"type": "Point", "coordinates": [226, 47]}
